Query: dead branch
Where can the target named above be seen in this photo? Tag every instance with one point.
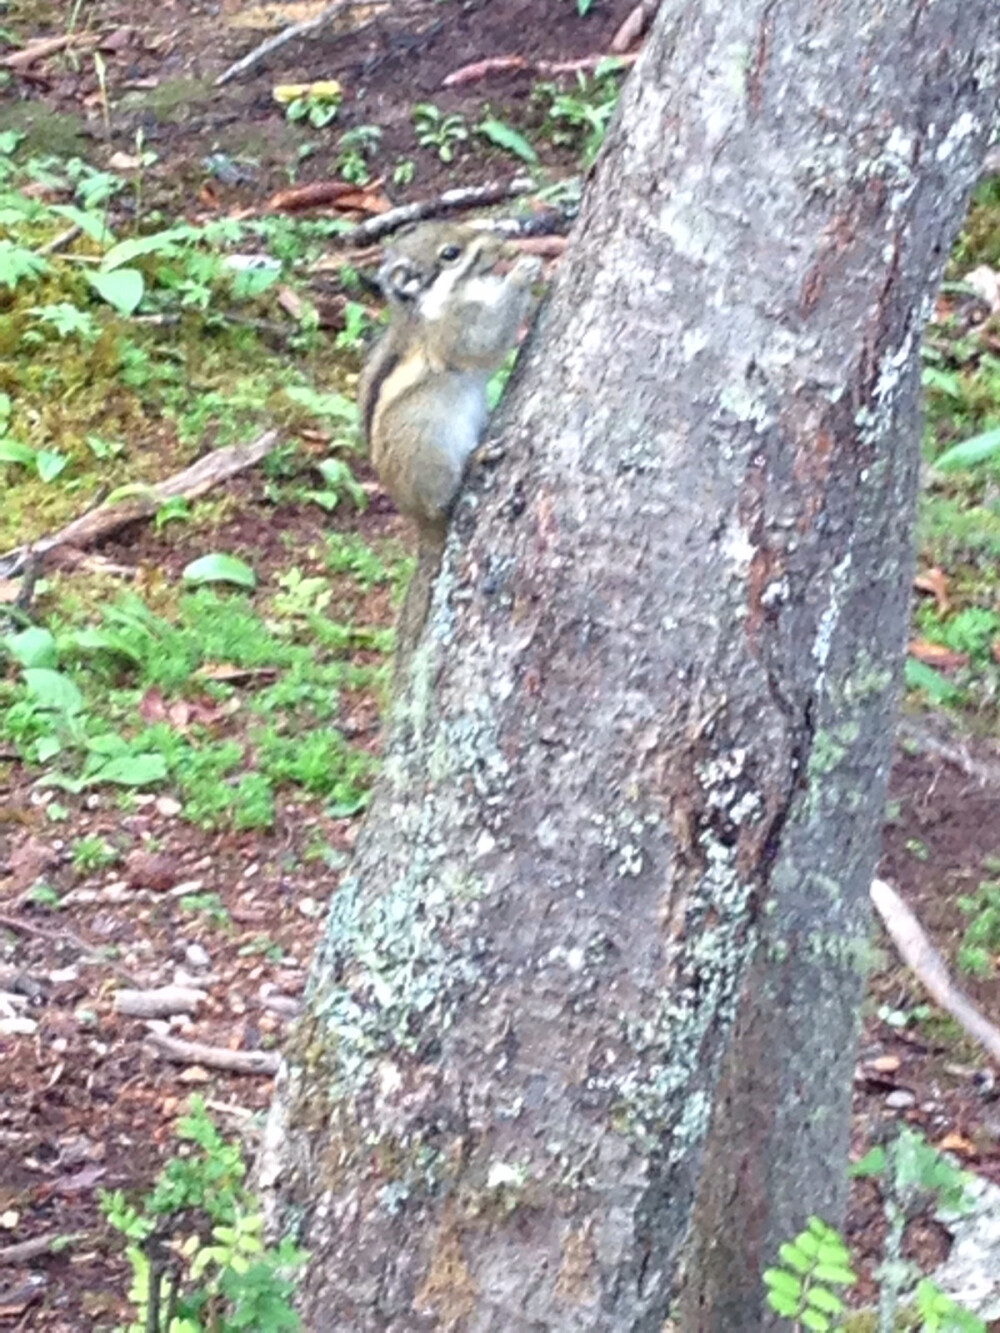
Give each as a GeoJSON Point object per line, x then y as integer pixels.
{"type": "Point", "coordinates": [285, 1006]}
{"type": "Point", "coordinates": [929, 967]}
{"type": "Point", "coordinates": [303, 29]}
{"type": "Point", "coordinates": [213, 1057]}
{"type": "Point", "coordinates": [483, 69]}
{"type": "Point", "coordinates": [313, 195]}
{"type": "Point", "coordinates": [219, 465]}
{"type": "Point", "coordinates": [45, 47]}
{"type": "Point", "coordinates": [452, 201]}
{"type": "Point", "coordinates": [67, 937]}
{"type": "Point", "coordinates": [635, 26]}
{"type": "Point", "coordinates": [984, 771]}
{"type": "Point", "coordinates": [160, 1002]}
{"type": "Point", "coordinates": [549, 68]}
{"type": "Point", "coordinates": [24, 1250]}
{"type": "Point", "coordinates": [60, 242]}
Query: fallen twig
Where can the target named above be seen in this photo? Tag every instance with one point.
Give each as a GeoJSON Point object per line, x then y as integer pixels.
{"type": "Point", "coordinates": [313, 195]}
{"type": "Point", "coordinates": [303, 29]}
{"type": "Point", "coordinates": [985, 771]}
{"type": "Point", "coordinates": [634, 26]}
{"type": "Point", "coordinates": [60, 242]}
{"type": "Point", "coordinates": [219, 465]}
{"type": "Point", "coordinates": [45, 47]}
{"type": "Point", "coordinates": [452, 201]}
{"type": "Point", "coordinates": [24, 1250]}
{"type": "Point", "coordinates": [929, 967]}
{"type": "Point", "coordinates": [160, 1002]}
{"type": "Point", "coordinates": [483, 69]}
{"type": "Point", "coordinates": [214, 1057]}
{"type": "Point", "coordinates": [67, 936]}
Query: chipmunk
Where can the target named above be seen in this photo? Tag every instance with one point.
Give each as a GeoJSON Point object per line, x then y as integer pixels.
{"type": "Point", "coordinates": [422, 393]}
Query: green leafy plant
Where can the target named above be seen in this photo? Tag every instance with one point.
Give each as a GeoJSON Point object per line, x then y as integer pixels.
{"type": "Point", "coordinates": [356, 324]}
{"type": "Point", "coordinates": [195, 1244]}
{"type": "Point", "coordinates": [356, 148]}
{"type": "Point", "coordinates": [219, 567]}
{"type": "Point", "coordinates": [92, 853]}
{"type": "Point", "coordinates": [580, 118]}
{"type": "Point", "coordinates": [804, 1287]}
{"type": "Point", "coordinates": [911, 1171]}
{"type": "Point", "coordinates": [439, 130]}
{"type": "Point", "coordinates": [981, 941]}
{"type": "Point", "coordinates": [404, 171]}
{"type": "Point", "coordinates": [209, 905]}
{"type": "Point", "coordinates": [976, 449]}
{"type": "Point", "coordinates": [504, 136]}
{"type": "Point", "coordinates": [317, 103]}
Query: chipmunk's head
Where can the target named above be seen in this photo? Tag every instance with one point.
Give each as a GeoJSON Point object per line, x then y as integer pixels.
{"type": "Point", "coordinates": [428, 262]}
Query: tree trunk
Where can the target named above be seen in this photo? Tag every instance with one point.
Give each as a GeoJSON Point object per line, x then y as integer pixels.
{"type": "Point", "coordinates": [580, 1033]}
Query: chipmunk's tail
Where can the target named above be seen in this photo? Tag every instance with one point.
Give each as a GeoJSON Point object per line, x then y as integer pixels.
{"type": "Point", "coordinates": [417, 603]}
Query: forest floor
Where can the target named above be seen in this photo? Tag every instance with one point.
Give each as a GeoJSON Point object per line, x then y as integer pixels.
{"type": "Point", "coordinates": [190, 709]}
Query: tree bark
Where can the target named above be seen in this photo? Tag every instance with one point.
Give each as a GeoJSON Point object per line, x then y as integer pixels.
{"type": "Point", "coordinates": [579, 1037]}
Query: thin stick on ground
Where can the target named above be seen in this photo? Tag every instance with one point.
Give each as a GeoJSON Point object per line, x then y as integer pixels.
{"type": "Point", "coordinates": [452, 201]}
{"type": "Point", "coordinates": [303, 29]}
{"type": "Point", "coordinates": [213, 1057]}
{"type": "Point", "coordinates": [635, 26]}
{"type": "Point", "coordinates": [219, 465]}
{"type": "Point", "coordinates": [929, 967]}
{"type": "Point", "coordinates": [25, 1250]}
{"type": "Point", "coordinates": [92, 954]}
{"type": "Point", "coordinates": [484, 69]}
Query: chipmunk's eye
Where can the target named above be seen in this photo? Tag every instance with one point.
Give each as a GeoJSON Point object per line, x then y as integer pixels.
{"type": "Point", "coordinates": [449, 253]}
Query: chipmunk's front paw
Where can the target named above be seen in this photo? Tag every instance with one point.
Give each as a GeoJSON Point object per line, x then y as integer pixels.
{"type": "Point", "coordinates": [527, 270]}
{"type": "Point", "coordinates": [489, 454]}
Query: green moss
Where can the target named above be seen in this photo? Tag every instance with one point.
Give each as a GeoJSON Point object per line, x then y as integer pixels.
{"type": "Point", "coordinates": [172, 101]}
{"type": "Point", "coordinates": [47, 133]}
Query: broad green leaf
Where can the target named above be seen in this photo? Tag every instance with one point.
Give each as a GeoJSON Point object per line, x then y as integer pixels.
{"type": "Point", "coordinates": [974, 450]}
{"type": "Point", "coordinates": [946, 381]}
{"type": "Point", "coordinates": [872, 1164]}
{"type": "Point", "coordinates": [109, 744]}
{"type": "Point", "coordinates": [794, 1258]}
{"type": "Point", "coordinates": [132, 490]}
{"type": "Point", "coordinates": [50, 463]}
{"type": "Point", "coordinates": [220, 568]}
{"type": "Point", "coordinates": [131, 770]}
{"type": "Point", "coordinates": [837, 1273]}
{"type": "Point", "coordinates": [17, 262]}
{"type": "Point", "coordinates": [99, 640]}
{"type": "Point", "coordinates": [506, 137]}
{"type": "Point", "coordinates": [12, 451]}
{"type": "Point", "coordinates": [250, 282]}
{"type": "Point", "coordinates": [779, 1279]}
{"type": "Point", "coordinates": [90, 222]}
{"type": "Point", "coordinates": [814, 1320]}
{"type": "Point", "coordinates": [123, 288]}
{"type": "Point", "coordinates": [786, 1306]}
{"type": "Point", "coordinates": [920, 676]}
{"type": "Point", "coordinates": [824, 1300]}
{"type": "Point", "coordinates": [808, 1243]}
{"type": "Point", "coordinates": [159, 243]}
{"type": "Point", "coordinates": [32, 647]}
{"type": "Point", "coordinates": [52, 690]}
